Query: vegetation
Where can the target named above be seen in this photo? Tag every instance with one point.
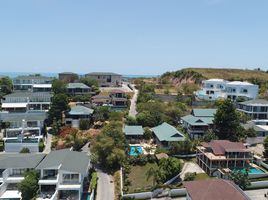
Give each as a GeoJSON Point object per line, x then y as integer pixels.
{"type": "Point", "coordinates": [58, 87]}
{"type": "Point", "coordinates": [209, 135]}
{"type": "Point", "coordinates": [91, 83]}
{"type": "Point", "coordinates": [59, 104]}
{"type": "Point", "coordinates": [84, 124]}
{"type": "Point", "coordinates": [29, 186]}
{"type": "Point", "coordinates": [101, 113]}
{"type": "Point", "coordinates": [185, 147]}
{"type": "Point", "coordinates": [25, 150]}
{"type": "Point", "coordinates": [265, 144]}
{"type": "Point", "coordinates": [2, 145]}
{"type": "Point", "coordinates": [93, 181]}
{"type": "Point", "coordinates": [108, 148]}
{"type": "Point", "coordinates": [117, 185]}
{"type": "Point", "coordinates": [227, 122]}
{"type": "Point", "coordinates": [6, 86]}
{"type": "Point", "coordinates": [241, 179]}
{"type": "Point", "coordinates": [41, 145]}
{"type": "Point", "coordinates": [189, 176]}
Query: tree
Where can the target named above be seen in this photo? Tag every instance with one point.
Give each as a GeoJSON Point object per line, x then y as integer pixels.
{"type": "Point", "coordinates": [170, 167]}
{"type": "Point", "coordinates": [84, 124]}
{"type": "Point", "coordinates": [251, 132]}
{"type": "Point", "coordinates": [209, 135]}
{"type": "Point", "coordinates": [58, 87]}
{"type": "Point", "coordinates": [240, 178]}
{"type": "Point", "coordinates": [185, 147]}
{"type": "Point", "coordinates": [227, 122]}
{"type": "Point", "coordinates": [101, 113]}
{"type": "Point", "coordinates": [25, 150]}
{"type": "Point", "coordinates": [189, 176]}
{"type": "Point", "coordinates": [265, 144]}
{"type": "Point", "coordinates": [59, 104]}
{"type": "Point", "coordinates": [5, 86]}
{"type": "Point", "coordinates": [29, 185]}
{"type": "Point", "coordinates": [75, 139]}
{"type": "Point", "coordinates": [149, 119]}
{"type": "Point", "coordinates": [147, 133]}
{"type": "Point", "coordinates": [131, 120]}
{"type": "Point", "coordinates": [90, 82]}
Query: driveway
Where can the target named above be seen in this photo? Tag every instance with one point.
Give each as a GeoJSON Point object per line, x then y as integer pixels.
{"type": "Point", "coordinates": [105, 187]}
{"type": "Point", "coordinates": [190, 167]}
{"type": "Point", "coordinates": [133, 105]}
{"type": "Point", "coordinates": [48, 141]}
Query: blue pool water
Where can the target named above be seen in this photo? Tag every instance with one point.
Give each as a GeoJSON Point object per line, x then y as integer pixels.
{"type": "Point", "coordinates": [252, 170]}
{"type": "Point", "coordinates": [135, 150]}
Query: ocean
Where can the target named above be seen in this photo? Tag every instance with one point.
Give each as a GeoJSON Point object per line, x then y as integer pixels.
{"type": "Point", "coordinates": [14, 74]}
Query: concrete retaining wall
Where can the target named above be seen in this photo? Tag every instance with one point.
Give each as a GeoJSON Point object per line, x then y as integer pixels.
{"type": "Point", "coordinates": [142, 195]}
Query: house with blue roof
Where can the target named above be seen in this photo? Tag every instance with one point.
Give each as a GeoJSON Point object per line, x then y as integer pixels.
{"type": "Point", "coordinates": [77, 113]}
{"type": "Point", "coordinates": [166, 134]}
{"type": "Point", "coordinates": [198, 122]}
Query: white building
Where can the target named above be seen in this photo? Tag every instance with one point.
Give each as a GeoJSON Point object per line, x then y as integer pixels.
{"type": "Point", "coordinates": [12, 168]}
{"type": "Point", "coordinates": [256, 109]}
{"type": "Point", "coordinates": [214, 89]}
{"type": "Point", "coordinates": [62, 174]}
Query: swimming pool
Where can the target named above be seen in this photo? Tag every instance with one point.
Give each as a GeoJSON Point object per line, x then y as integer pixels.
{"type": "Point", "coordinates": [135, 150]}
{"type": "Point", "coordinates": [251, 170]}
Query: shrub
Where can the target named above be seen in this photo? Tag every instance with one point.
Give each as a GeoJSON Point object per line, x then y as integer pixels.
{"type": "Point", "coordinates": [93, 181]}
{"type": "Point", "coordinates": [25, 150]}
{"type": "Point", "coordinates": [84, 124]}
{"type": "Point", "coordinates": [189, 176]}
{"type": "Point", "coordinates": [2, 145]}
{"type": "Point", "coordinates": [41, 146]}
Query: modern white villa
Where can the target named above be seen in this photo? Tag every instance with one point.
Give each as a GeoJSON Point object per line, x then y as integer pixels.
{"type": "Point", "coordinates": [27, 82]}
{"type": "Point", "coordinates": [12, 168]}
{"type": "Point", "coordinates": [25, 101]}
{"type": "Point", "coordinates": [256, 109]}
{"type": "Point", "coordinates": [214, 89]}
{"type": "Point", "coordinates": [62, 175]}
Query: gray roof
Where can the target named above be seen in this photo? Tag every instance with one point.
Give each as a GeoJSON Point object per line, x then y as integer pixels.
{"type": "Point", "coordinates": [255, 101]}
{"type": "Point", "coordinates": [20, 160]}
{"type": "Point", "coordinates": [28, 94]}
{"type": "Point", "coordinates": [166, 132]}
{"type": "Point", "coordinates": [133, 130]}
{"type": "Point", "coordinates": [80, 110]}
{"type": "Point", "coordinates": [103, 74]}
{"type": "Point", "coordinates": [251, 124]}
{"type": "Point", "coordinates": [32, 77]}
{"type": "Point", "coordinates": [27, 116]}
{"type": "Point", "coordinates": [198, 121]}
{"type": "Point", "coordinates": [77, 85]}
{"type": "Point", "coordinates": [68, 73]}
{"type": "Point", "coordinates": [204, 112]}
{"type": "Point", "coordinates": [67, 160]}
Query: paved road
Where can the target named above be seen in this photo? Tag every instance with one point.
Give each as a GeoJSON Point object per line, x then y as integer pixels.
{"type": "Point", "coordinates": [257, 194]}
{"type": "Point", "coordinates": [105, 187]}
{"type": "Point", "coordinates": [133, 105]}
{"type": "Point", "coordinates": [48, 143]}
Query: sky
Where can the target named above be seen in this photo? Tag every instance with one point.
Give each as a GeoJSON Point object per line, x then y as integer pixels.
{"type": "Point", "coordinates": [132, 36]}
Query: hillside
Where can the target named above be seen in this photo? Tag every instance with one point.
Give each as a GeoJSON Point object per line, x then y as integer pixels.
{"type": "Point", "coordinates": [192, 77]}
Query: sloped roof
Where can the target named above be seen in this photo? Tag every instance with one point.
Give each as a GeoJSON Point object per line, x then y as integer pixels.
{"type": "Point", "coordinates": [80, 110]}
{"type": "Point", "coordinates": [20, 160]}
{"type": "Point", "coordinates": [255, 102]}
{"type": "Point", "coordinates": [166, 132]}
{"type": "Point", "coordinates": [219, 147]}
{"type": "Point", "coordinates": [204, 112]}
{"type": "Point", "coordinates": [67, 160]}
{"type": "Point", "coordinates": [214, 189]}
{"type": "Point", "coordinates": [198, 121]}
{"type": "Point", "coordinates": [133, 130]}
{"type": "Point", "coordinates": [28, 116]}
{"type": "Point", "coordinates": [77, 85]}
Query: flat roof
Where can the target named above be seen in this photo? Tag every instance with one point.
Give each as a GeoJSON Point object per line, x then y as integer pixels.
{"type": "Point", "coordinates": [27, 116]}
{"type": "Point", "coordinates": [255, 102]}
{"type": "Point", "coordinates": [42, 85]}
{"type": "Point", "coordinates": [77, 85]}
{"type": "Point", "coordinates": [103, 73]}
{"type": "Point", "coordinates": [14, 105]}
{"type": "Point", "coordinates": [133, 130]}
{"type": "Point", "coordinates": [11, 194]}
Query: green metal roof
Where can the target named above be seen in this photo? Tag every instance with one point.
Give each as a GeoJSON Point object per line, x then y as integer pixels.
{"type": "Point", "coordinates": [166, 132]}
{"type": "Point", "coordinates": [255, 101]}
{"type": "Point", "coordinates": [28, 116]}
{"type": "Point", "coordinates": [20, 161]}
{"type": "Point", "coordinates": [198, 121]}
{"type": "Point", "coordinates": [67, 160]}
{"type": "Point", "coordinates": [204, 112]}
{"type": "Point", "coordinates": [80, 110]}
{"type": "Point", "coordinates": [133, 130]}
{"type": "Point", "coordinates": [77, 85]}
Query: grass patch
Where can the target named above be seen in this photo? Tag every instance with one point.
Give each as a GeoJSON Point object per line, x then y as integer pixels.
{"type": "Point", "coordinates": [117, 185]}
{"type": "Point", "coordinates": [138, 177]}
{"type": "Point", "coordinates": [202, 176]}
